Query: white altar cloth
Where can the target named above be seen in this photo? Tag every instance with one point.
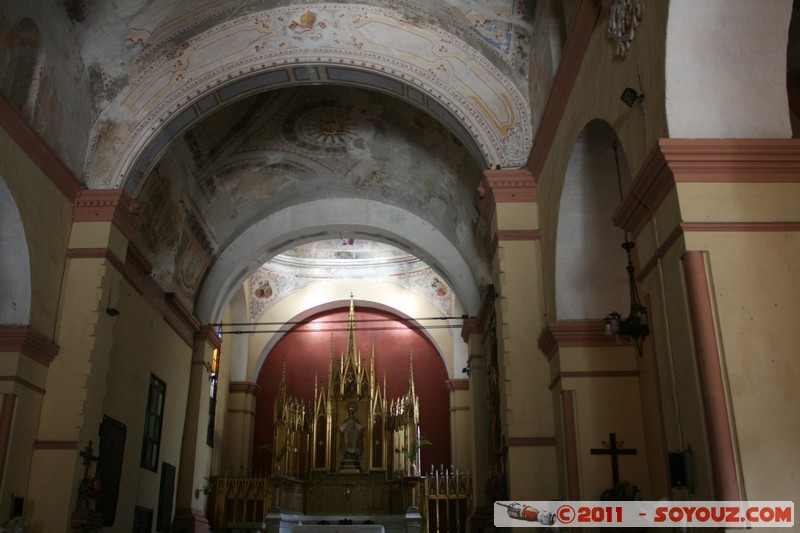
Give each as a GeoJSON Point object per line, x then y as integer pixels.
{"type": "Point", "coordinates": [334, 528]}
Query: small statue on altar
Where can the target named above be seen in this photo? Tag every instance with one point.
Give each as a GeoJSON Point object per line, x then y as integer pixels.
{"type": "Point", "coordinates": [350, 432]}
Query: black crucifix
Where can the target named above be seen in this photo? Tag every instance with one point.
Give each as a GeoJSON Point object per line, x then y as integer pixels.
{"type": "Point", "coordinates": [88, 458]}
{"type": "Point", "coordinates": [614, 452]}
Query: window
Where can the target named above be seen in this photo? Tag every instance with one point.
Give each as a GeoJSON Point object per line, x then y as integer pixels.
{"type": "Point", "coordinates": [151, 443]}
{"type": "Point", "coordinates": [212, 406]}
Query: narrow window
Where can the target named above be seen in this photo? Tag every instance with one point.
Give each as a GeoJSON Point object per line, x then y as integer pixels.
{"type": "Point", "coordinates": [151, 443]}
{"type": "Point", "coordinates": [212, 404]}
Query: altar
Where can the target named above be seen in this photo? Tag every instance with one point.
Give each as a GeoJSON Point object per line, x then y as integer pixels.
{"type": "Point", "coordinates": [340, 528]}
{"type": "Point", "coordinates": [347, 451]}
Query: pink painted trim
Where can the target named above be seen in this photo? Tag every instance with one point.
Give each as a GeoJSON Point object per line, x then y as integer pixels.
{"type": "Point", "coordinates": [244, 387]}
{"type": "Point", "coordinates": [674, 161]}
{"type": "Point", "coordinates": [28, 342]}
{"type": "Point", "coordinates": [180, 318]}
{"type": "Point", "coordinates": [576, 334]}
{"type": "Point", "coordinates": [6, 419]}
{"type": "Point", "coordinates": [24, 383]}
{"type": "Point", "coordinates": [718, 227]}
{"type": "Point", "coordinates": [505, 186]}
{"type": "Point", "coordinates": [518, 235]}
{"type": "Point", "coordinates": [55, 445]}
{"type": "Point", "coordinates": [108, 205]}
{"type": "Point", "coordinates": [593, 374]}
{"type": "Point", "coordinates": [741, 227]}
{"type": "Point", "coordinates": [571, 444]}
{"type": "Point", "coordinates": [457, 384]}
{"type": "Point", "coordinates": [37, 149]}
{"type": "Point", "coordinates": [209, 335]}
{"type": "Point", "coordinates": [723, 463]}
{"type": "Point", "coordinates": [242, 412]}
{"type": "Point", "coordinates": [531, 442]}
{"type": "Point", "coordinates": [580, 35]}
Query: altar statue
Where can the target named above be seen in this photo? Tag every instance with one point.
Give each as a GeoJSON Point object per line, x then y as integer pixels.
{"type": "Point", "coordinates": [350, 432]}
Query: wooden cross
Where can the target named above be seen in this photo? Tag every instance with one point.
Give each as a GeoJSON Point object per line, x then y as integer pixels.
{"type": "Point", "coordinates": [614, 452]}
{"type": "Point", "coordinates": [88, 458]}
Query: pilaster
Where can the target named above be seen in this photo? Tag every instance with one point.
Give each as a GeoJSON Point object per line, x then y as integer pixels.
{"type": "Point", "coordinates": [700, 209]}
{"type": "Point", "coordinates": [510, 203]}
{"type": "Point", "coordinates": [72, 409]}
{"type": "Point", "coordinates": [239, 424]}
{"type": "Point", "coordinates": [195, 452]}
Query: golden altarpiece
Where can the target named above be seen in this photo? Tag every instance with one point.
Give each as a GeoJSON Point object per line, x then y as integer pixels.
{"type": "Point", "coordinates": [349, 451]}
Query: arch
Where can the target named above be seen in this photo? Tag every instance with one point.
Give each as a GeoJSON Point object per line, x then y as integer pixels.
{"type": "Point", "coordinates": [382, 296]}
{"type": "Point", "coordinates": [368, 219]}
{"type": "Point", "coordinates": [380, 50]}
{"type": "Point", "coordinates": [25, 65]}
{"type": "Point", "coordinates": [15, 269]}
{"type": "Point", "coordinates": [590, 265]}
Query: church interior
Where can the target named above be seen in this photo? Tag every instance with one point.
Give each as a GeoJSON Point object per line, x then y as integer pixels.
{"type": "Point", "coordinates": [272, 264]}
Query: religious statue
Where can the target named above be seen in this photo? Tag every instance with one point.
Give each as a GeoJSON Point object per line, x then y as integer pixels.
{"type": "Point", "coordinates": [350, 432]}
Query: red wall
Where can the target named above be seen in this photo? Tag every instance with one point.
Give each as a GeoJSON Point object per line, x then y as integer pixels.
{"type": "Point", "coordinates": [307, 351]}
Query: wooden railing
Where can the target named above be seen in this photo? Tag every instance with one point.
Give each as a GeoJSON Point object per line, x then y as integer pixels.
{"type": "Point", "coordinates": [447, 500]}
{"type": "Point", "coordinates": [446, 497]}
{"type": "Point", "coordinates": [242, 497]}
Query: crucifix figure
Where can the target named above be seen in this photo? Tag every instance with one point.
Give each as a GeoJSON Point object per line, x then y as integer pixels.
{"type": "Point", "coordinates": [89, 487]}
{"type": "Point", "coordinates": [614, 452]}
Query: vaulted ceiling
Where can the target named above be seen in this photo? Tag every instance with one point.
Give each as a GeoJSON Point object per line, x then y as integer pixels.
{"type": "Point", "coordinates": [245, 129]}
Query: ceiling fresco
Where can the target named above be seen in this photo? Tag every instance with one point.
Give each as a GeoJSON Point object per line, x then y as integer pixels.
{"type": "Point", "coordinates": [278, 149]}
{"type": "Point", "coordinates": [344, 259]}
{"type": "Point", "coordinates": [219, 116]}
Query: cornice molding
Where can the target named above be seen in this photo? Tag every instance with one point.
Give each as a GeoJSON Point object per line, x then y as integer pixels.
{"type": "Point", "coordinates": [37, 149]}
{"type": "Point", "coordinates": [505, 186]}
{"type": "Point", "coordinates": [457, 384]}
{"type": "Point", "coordinates": [244, 387]}
{"type": "Point", "coordinates": [673, 161]}
{"type": "Point", "coordinates": [580, 35]}
{"type": "Point", "coordinates": [576, 334]}
{"type": "Point", "coordinates": [208, 335]}
{"type": "Point", "coordinates": [29, 342]}
{"type": "Point", "coordinates": [108, 205]}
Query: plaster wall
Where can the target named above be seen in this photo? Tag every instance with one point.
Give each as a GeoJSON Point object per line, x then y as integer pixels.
{"type": "Point", "coordinates": [144, 344]}
{"type": "Point", "coordinates": [65, 114]}
{"type": "Point", "coordinates": [726, 68]}
{"type": "Point", "coordinates": [757, 317]}
{"type": "Point", "coordinates": [596, 94]}
{"type": "Point", "coordinates": [46, 236]}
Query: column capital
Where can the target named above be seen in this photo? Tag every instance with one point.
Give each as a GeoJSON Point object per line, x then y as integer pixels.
{"type": "Point", "coordinates": [209, 335]}
{"type": "Point", "coordinates": [245, 387]}
{"type": "Point", "coordinates": [571, 334]}
{"type": "Point", "coordinates": [673, 161]}
{"type": "Point", "coordinates": [108, 205]}
{"type": "Point", "coordinates": [505, 186]}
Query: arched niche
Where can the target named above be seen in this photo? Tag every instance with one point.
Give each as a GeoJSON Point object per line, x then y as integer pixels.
{"type": "Point", "coordinates": [590, 264]}
{"type": "Point", "coordinates": [15, 271]}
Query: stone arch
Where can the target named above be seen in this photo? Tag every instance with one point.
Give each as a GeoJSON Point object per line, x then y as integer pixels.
{"type": "Point", "coordinates": [367, 219]}
{"type": "Point", "coordinates": [15, 270]}
{"type": "Point", "coordinates": [590, 265]}
{"type": "Point", "coordinates": [313, 301]}
{"type": "Point", "coordinates": [24, 69]}
{"type": "Point", "coordinates": [376, 48]}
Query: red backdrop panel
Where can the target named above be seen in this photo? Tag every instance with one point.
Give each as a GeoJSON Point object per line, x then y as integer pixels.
{"type": "Point", "coordinates": [306, 350]}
